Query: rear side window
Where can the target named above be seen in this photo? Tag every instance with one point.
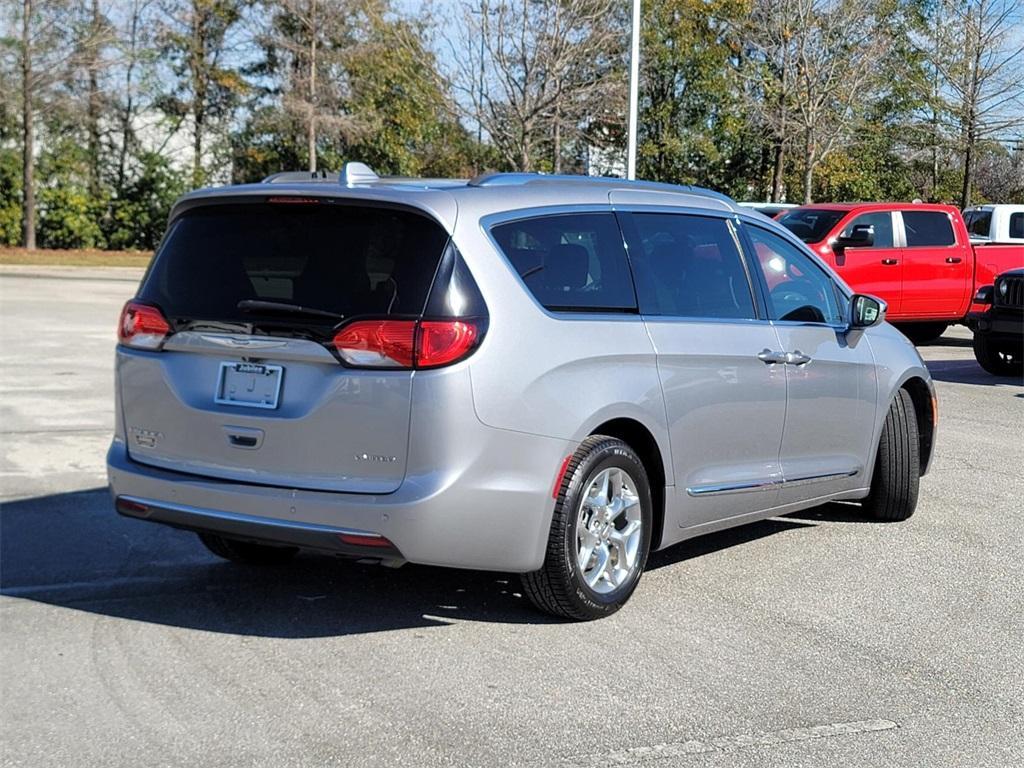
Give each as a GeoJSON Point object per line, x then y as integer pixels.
{"type": "Point", "coordinates": [928, 228]}
{"type": "Point", "coordinates": [689, 266]}
{"type": "Point", "coordinates": [978, 222]}
{"type": "Point", "coordinates": [338, 259]}
{"type": "Point", "coordinates": [1017, 224]}
{"type": "Point", "coordinates": [570, 263]}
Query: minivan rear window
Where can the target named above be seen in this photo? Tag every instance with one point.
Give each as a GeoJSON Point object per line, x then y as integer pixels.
{"type": "Point", "coordinates": [571, 262]}
{"type": "Point", "coordinates": [341, 260]}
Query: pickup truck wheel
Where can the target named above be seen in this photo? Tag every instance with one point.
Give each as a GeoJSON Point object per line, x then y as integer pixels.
{"type": "Point", "coordinates": [898, 464]}
{"type": "Point", "coordinates": [246, 552]}
{"type": "Point", "coordinates": [998, 357]}
{"type": "Point", "coordinates": [600, 533]}
{"type": "Point", "coordinates": [923, 333]}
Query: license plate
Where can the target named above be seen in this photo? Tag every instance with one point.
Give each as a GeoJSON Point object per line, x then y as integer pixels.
{"type": "Point", "coordinates": [249, 384]}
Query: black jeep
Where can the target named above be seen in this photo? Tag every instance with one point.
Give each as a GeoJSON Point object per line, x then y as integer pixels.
{"type": "Point", "coordinates": [999, 330]}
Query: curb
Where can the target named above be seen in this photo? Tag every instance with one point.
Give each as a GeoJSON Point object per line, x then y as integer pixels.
{"type": "Point", "coordinates": [124, 274]}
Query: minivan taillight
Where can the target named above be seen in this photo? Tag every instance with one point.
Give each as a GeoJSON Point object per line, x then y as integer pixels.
{"type": "Point", "coordinates": [142, 326]}
{"type": "Point", "coordinates": [406, 343]}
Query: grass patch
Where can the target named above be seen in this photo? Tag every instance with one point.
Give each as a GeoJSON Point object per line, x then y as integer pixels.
{"type": "Point", "coordinates": [74, 258]}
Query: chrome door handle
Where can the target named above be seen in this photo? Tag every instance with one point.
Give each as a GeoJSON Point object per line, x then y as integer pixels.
{"type": "Point", "coordinates": [769, 357]}
{"type": "Point", "coordinates": [890, 262]}
{"type": "Point", "coordinates": [953, 259]}
{"type": "Point", "coordinates": [797, 358]}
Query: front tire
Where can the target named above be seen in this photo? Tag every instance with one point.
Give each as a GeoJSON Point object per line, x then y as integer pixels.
{"type": "Point", "coordinates": [1000, 358]}
{"type": "Point", "coordinates": [246, 552]}
{"type": "Point", "coordinates": [600, 533]}
{"type": "Point", "coordinates": [897, 477]}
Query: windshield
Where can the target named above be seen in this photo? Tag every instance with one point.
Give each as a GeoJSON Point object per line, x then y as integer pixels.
{"type": "Point", "coordinates": [811, 224]}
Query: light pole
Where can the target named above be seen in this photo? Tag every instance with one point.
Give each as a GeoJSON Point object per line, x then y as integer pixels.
{"type": "Point", "coordinates": [634, 92]}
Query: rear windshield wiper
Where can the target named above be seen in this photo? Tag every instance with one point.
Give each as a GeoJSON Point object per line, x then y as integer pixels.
{"type": "Point", "coordinates": [283, 308]}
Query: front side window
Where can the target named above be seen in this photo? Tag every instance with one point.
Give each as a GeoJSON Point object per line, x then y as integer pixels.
{"type": "Point", "coordinates": [928, 228]}
{"type": "Point", "coordinates": [798, 289]}
{"type": "Point", "coordinates": [881, 226]}
{"type": "Point", "coordinates": [572, 262]}
{"type": "Point", "coordinates": [689, 266]}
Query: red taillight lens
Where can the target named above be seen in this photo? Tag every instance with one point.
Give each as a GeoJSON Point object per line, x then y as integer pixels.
{"type": "Point", "coordinates": [444, 341]}
{"type": "Point", "coordinates": [406, 343]}
{"type": "Point", "coordinates": [377, 343]}
{"type": "Point", "coordinates": [365, 540]}
{"type": "Point", "coordinates": [142, 326]}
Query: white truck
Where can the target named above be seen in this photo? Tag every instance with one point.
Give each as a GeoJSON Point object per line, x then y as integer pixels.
{"type": "Point", "coordinates": [995, 224]}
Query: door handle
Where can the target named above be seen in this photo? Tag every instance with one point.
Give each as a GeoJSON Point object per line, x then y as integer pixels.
{"type": "Point", "coordinates": [769, 357]}
{"type": "Point", "coordinates": [797, 358]}
{"type": "Point", "coordinates": [890, 262]}
{"type": "Point", "coordinates": [953, 259]}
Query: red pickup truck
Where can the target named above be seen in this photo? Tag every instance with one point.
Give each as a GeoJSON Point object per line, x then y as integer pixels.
{"type": "Point", "coordinates": [916, 256]}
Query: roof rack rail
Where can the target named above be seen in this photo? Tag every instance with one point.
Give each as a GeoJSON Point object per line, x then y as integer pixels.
{"type": "Point", "coordinates": [288, 177]}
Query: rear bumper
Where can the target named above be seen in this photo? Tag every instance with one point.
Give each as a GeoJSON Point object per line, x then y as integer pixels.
{"type": "Point", "coordinates": [492, 514]}
{"type": "Point", "coordinates": [324, 538]}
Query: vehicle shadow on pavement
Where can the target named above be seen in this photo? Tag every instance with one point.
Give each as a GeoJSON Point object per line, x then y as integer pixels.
{"type": "Point", "coordinates": [967, 372]}
{"type": "Point", "coordinates": [73, 550]}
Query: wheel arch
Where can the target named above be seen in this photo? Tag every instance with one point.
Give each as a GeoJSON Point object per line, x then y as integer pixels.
{"type": "Point", "coordinates": [923, 397]}
{"type": "Point", "coordinates": [641, 440]}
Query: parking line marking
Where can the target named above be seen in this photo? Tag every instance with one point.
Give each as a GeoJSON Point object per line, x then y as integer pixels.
{"type": "Point", "coordinates": [671, 749]}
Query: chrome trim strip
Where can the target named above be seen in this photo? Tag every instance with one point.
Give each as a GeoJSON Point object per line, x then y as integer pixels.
{"type": "Point", "coordinates": [236, 517]}
{"type": "Point", "coordinates": [755, 485]}
{"type": "Point", "coordinates": [758, 485]}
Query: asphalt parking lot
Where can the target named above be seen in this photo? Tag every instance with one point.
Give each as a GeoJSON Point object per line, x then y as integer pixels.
{"type": "Point", "coordinates": [814, 640]}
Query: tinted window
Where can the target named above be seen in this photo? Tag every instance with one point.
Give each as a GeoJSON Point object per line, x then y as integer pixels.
{"type": "Point", "coordinates": [881, 225]}
{"type": "Point", "coordinates": [344, 260]}
{"type": "Point", "coordinates": [572, 262]}
{"type": "Point", "coordinates": [689, 266]}
{"type": "Point", "coordinates": [811, 224]}
{"type": "Point", "coordinates": [978, 222]}
{"type": "Point", "coordinates": [1017, 225]}
{"type": "Point", "coordinates": [926, 228]}
{"type": "Point", "coordinates": [798, 289]}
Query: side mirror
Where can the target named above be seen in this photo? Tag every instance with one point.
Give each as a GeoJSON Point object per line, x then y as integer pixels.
{"type": "Point", "coordinates": [862, 236]}
{"type": "Point", "coordinates": [984, 294]}
{"type": "Point", "coordinates": [866, 311]}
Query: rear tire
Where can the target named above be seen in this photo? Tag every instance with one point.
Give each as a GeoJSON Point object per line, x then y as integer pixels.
{"type": "Point", "coordinates": [923, 333]}
{"type": "Point", "coordinates": [998, 357]}
{"type": "Point", "coordinates": [246, 552]}
{"type": "Point", "coordinates": [897, 477]}
{"type": "Point", "coordinates": [600, 533]}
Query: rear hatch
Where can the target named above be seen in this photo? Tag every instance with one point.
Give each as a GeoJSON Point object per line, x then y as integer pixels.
{"type": "Point", "coordinates": [245, 383]}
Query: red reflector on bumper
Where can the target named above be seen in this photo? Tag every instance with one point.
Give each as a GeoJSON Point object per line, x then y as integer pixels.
{"type": "Point", "coordinates": [368, 540]}
{"type": "Point", "coordinates": [131, 507]}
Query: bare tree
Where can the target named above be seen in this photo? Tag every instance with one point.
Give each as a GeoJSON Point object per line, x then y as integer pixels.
{"type": "Point", "coordinates": [535, 73]}
{"type": "Point", "coordinates": [976, 54]}
{"type": "Point", "coordinates": [47, 51]}
{"type": "Point", "coordinates": [768, 33]}
{"type": "Point", "coordinates": [305, 44]}
{"type": "Point", "coordinates": [197, 38]}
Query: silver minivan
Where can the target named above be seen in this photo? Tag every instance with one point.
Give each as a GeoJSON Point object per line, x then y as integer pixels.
{"type": "Point", "coordinates": [552, 376]}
